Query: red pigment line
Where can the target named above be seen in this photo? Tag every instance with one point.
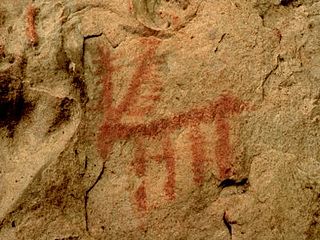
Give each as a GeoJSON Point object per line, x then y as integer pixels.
{"type": "Point", "coordinates": [139, 162]}
{"type": "Point", "coordinates": [225, 105]}
{"type": "Point", "coordinates": [141, 197]}
{"type": "Point", "coordinates": [141, 74]}
{"type": "Point", "coordinates": [198, 155]}
{"type": "Point", "coordinates": [31, 29]}
{"type": "Point", "coordinates": [156, 127]}
{"type": "Point", "coordinates": [106, 136]}
{"type": "Point", "coordinates": [112, 116]}
{"type": "Point", "coordinates": [106, 78]}
{"type": "Point", "coordinates": [105, 144]}
{"type": "Point", "coordinates": [169, 158]}
{"type": "Point", "coordinates": [223, 147]}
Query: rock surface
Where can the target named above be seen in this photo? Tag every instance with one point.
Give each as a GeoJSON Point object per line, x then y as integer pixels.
{"type": "Point", "coordinates": [160, 119]}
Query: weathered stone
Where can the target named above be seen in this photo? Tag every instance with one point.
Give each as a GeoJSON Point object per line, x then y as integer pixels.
{"type": "Point", "coordinates": [159, 119]}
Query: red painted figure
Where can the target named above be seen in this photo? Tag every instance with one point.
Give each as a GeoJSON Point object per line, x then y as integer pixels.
{"type": "Point", "coordinates": [113, 129]}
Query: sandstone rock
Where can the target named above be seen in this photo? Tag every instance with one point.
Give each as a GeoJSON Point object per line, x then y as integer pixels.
{"type": "Point", "coordinates": [159, 119]}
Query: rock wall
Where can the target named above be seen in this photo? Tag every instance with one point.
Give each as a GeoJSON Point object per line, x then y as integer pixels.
{"type": "Point", "coordinates": [160, 119]}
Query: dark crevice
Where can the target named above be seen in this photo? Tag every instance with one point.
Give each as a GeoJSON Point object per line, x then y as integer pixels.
{"type": "Point", "coordinates": [81, 88]}
{"type": "Point", "coordinates": [286, 2]}
{"type": "Point", "coordinates": [86, 197]}
{"type": "Point", "coordinates": [221, 39]}
{"type": "Point", "coordinates": [86, 163]}
{"type": "Point", "coordinates": [64, 114]}
{"type": "Point", "coordinates": [86, 37]}
{"type": "Point", "coordinates": [266, 78]}
{"type": "Point", "coordinates": [232, 182]}
{"type": "Point", "coordinates": [78, 81]}
{"type": "Point", "coordinates": [13, 105]}
{"type": "Point", "coordinates": [68, 238]}
{"type": "Point", "coordinates": [227, 223]}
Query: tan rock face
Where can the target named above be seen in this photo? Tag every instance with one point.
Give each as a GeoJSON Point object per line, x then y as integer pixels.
{"type": "Point", "coordinates": [147, 119]}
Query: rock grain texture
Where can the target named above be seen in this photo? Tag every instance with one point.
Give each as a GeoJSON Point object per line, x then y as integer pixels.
{"type": "Point", "coordinates": [160, 119]}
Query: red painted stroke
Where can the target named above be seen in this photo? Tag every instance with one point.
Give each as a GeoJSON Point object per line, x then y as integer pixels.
{"type": "Point", "coordinates": [113, 114]}
{"type": "Point", "coordinates": [112, 129]}
{"type": "Point", "coordinates": [141, 197]}
{"type": "Point", "coordinates": [139, 162]}
{"type": "Point", "coordinates": [223, 148]}
{"type": "Point", "coordinates": [169, 158]}
{"type": "Point", "coordinates": [142, 74]}
{"type": "Point", "coordinates": [31, 32]}
{"type": "Point", "coordinates": [225, 106]}
{"type": "Point", "coordinates": [198, 155]}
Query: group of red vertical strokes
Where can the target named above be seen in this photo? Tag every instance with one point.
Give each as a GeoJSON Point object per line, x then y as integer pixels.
{"type": "Point", "coordinates": [112, 128]}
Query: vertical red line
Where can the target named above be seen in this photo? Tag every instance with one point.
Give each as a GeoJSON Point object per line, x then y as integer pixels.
{"type": "Point", "coordinates": [198, 155]}
{"type": "Point", "coordinates": [106, 135]}
{"type": "Point", "coordinates": [139, 162]}
{"type": "Point", "coordinates": [141, 197]}
{"type": "Point", "coordinates": [31, 29]}
{"type": "Point", "coordinates": [139, 165]}
{"type": "Point", "coordinates": [223, 148]}
{"type": "Point", "coordinates": [226, 107]}
{"type": "Point", "coordinates": [169, 157]}
{"type": "Point", "coordinates": [108, 70]}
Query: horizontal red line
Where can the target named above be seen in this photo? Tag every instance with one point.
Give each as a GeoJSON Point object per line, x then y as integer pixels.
{"type": "Point", "coordinates": [206, 114]}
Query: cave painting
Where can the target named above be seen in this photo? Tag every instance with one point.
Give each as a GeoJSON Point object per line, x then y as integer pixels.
{"type": "Point", "coordinates": [113, 129]}
{"type": "Point", "coordinates": [31, 32]}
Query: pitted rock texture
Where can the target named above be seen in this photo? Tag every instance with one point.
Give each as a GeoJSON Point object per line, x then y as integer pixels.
{"type": "Point", "coordinates": [160, 119]}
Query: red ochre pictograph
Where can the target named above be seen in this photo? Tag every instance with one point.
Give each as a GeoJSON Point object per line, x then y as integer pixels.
{"type": "Point", "coordinates": [113, 129]}
{"type": "Point", "coordinates": [31, 32]}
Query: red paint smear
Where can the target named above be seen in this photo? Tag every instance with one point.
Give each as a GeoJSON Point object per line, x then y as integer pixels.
{"type": "Point", "coordinates": [31, 29]}
{"type": "Point", "coordinates": [112, 130]}
{"type": "Point", "coordinates": [169, 158]}
{"type": "Point", "coordinates": [223, 147]}
{"type": "Point", "coordinates": [139, 162]}
{"type": "Point", "coordinates": [108, 135]}
{"type": "Point", "coordinates": [198, 155]}
{"type": "Point", "coordinates": [220, 111]}
{"type": "Point", "coordinates": [141, 74]}
{"type": "Point", "coordinates": [141, 197]}
{"type": "Point", "coordinates": [226, 104]}
{"type": "Point", "coordinates": [107, 69]}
